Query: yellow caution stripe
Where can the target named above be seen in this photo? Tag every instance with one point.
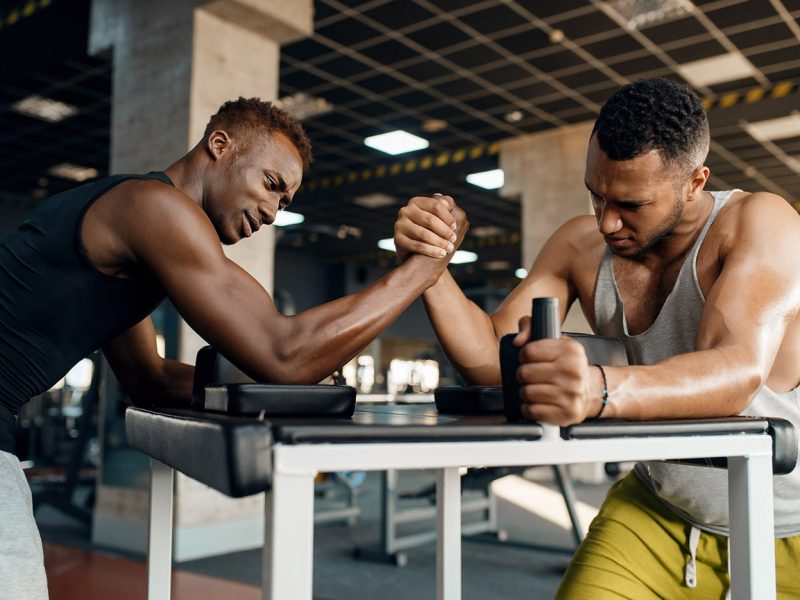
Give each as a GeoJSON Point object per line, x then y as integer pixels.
{"type": "Point", "coordinates": [22, 11]}
{"type": "Point", "coordinates": [411, 165]}
{"type": "Point", "coordinates": [752, 95]}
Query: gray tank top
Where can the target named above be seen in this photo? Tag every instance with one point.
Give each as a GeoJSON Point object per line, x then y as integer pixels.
{"type": "Point", "coordinates": [698, 494]}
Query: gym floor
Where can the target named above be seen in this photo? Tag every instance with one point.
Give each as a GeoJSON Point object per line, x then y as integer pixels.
{"type": "Point", "coordinates": [78, 571]}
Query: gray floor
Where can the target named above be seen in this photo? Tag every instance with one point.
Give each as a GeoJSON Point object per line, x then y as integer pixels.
{"type": "Point", "coordinates": [490, 569]}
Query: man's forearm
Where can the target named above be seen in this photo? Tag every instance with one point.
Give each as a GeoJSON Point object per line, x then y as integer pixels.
{"type": "Point", "coordinates": [703, 384]}
{"type": "Point", "coordinates": [465, 332]}
{"type": "Point", "coordinates": [322, 339]}
{"type": "Point", "coordinates": [171, 385]}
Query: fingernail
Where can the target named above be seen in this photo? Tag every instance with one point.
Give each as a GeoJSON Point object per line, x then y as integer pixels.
{"type": "Point", "coordinates": [442, 253]}
{"type": "Point", "coordinates": [453, 226]}
{"type": "Point", "coordinates": [453, 238]}
{"type": "Point", "coordinates": [449, 247]}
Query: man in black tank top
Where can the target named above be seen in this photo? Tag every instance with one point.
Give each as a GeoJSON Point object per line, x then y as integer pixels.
{"type": "Point", "coordinates": [106, 253]}
{"type": "Point", "coordinates": [704, 292]}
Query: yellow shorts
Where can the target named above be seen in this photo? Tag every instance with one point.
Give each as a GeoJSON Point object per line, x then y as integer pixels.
{"type": "Point", "coordinates": [637, 548]}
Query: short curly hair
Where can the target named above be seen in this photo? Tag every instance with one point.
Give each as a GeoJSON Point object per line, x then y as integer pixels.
{"type": "Point", "coordinates": [654, 114]}
{"type": "Point", "coordinates": [253, 114]}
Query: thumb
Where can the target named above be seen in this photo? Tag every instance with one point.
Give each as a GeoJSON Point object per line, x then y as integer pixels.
{"type": "Point", "coordinates": [524, 335]}
{"type": "Point", "coordinates": [446, 200]}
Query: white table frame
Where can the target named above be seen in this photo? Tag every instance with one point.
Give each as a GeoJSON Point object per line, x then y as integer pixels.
{"type": "Point", "coordinates": [288, 568]}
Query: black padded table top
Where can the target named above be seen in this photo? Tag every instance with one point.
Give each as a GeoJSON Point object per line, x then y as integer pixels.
{"type": "Point", "coordinates": [618, 428]}
{"type": "Point", "coordinates": [407, 422]}
{"type": "Point", "coordinates": [231, 454]}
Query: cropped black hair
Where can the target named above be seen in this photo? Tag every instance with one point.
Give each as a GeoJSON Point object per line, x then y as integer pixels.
{"type": "Point", "coordinates": [248, 115]}
{"type": "Point", "coordinates": [654, 114]}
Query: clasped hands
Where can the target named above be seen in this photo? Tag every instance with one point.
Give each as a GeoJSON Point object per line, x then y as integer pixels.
{"type": "Point", "coordinates": [557, 385]}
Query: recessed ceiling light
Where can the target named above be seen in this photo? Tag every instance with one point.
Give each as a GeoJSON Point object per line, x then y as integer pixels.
{"type": "Point", "coordinates": [521, 273]}
{"type": "Point", "coordinates": [489, 180]}
{"type": "Point", "coordinates": [396, 142]}
{"type": "Point", "coordinates": [73, 172]}
{"type": "Point", "coordinates": [284, 218]}
{"type": "Point", "coordinates": [460, 257]}
{"type": "Point", "coordinates": [641, 13]}
{"type": "Point", "coordinates": [717, 69]}
{"type": "Point", "coordinates": [375, 200]}
{"type": "Point", "coordinates": [496, 265]}
{"type": "Point", "coordinates": [345, 231]}
{"type": "Point", "coordinates": [484, 231]}
{"type": "Point", "coordinates": [45, 109]}
{"type": "Point", "coordinates": [303, 106]}
{"type": "Point", "coordinates": [434, 125]}
{"type": "Point", "coordinates": [556, 36]}
{"type": "Point", "coordinates": [775, 129]}
{"type": "Point", "coordinates": [387, 244]}
{"type": "Point", "coordinates": [515, 116]}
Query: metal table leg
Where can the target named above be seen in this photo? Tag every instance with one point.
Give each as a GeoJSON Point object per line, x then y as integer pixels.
{"type": "Point", "coordinates": [752, 543]}
{"type": "Point", "coordinates": [448, 529]}
{"type": "Point", "coordinates": [159, 543]}
{"type": "Point", "coordinates": [288, 567]}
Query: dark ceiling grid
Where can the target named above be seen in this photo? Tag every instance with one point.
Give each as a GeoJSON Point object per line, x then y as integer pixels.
{"type": "Point", "coordinates": [390, 63]}
{"type": "Point", "coordinates": [454, 62]}
{"type": "Point", "coordinates": [482, 100]}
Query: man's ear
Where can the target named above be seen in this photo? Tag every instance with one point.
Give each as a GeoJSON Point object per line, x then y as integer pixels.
{"type": "Point", "coordinates": [218, 143]}
{"type": "Point", "coordinates": [698, 179]}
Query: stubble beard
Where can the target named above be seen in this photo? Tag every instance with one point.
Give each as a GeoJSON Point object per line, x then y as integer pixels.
{"type": "Point", "coordinates": [662, 231]}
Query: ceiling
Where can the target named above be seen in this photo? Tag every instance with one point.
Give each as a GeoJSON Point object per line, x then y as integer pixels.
{"type": "Point", "coordinates": [489, 70]}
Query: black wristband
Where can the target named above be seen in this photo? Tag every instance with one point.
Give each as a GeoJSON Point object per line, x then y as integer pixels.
{"type": "Point", "coordinates": [605, 392]}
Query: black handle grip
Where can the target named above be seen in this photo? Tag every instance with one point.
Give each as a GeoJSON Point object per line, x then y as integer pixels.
{"type": "Point", "coordinates": [545, 319]}
{"type": "Point", "coordinates": [545, 323]}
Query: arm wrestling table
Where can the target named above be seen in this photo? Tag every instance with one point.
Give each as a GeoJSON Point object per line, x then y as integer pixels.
{"type": "Point", "coordinates": [240, 456]}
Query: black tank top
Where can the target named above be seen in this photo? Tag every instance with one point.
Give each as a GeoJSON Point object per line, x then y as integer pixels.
{"type": "Point", "coordinates": [55, 307]}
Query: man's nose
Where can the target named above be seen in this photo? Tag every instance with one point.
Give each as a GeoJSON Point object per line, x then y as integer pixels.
{"type": "Point", "coordinates": [608, 220]}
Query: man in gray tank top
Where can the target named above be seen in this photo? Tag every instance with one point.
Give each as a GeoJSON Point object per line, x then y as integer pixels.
{"type": "Point", "coordinates": [701, 288]}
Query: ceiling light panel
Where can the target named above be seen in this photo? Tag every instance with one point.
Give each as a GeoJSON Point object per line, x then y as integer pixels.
{"type": "Point", "coordinates": [396, 142]}
{"type": "Point", "coordinates": [775, 129]}
{"type": "Point", "coordinates": [73, 172]}
{"type": "Point", "coordinates": [45, 109]}
{"type": "Point", "coordinates": [717, 69]}
{"type": "Point", "coordinates": [303, 106]}
{"type": "Point", "coordinates": [488, 180]}
{"type": "Point", "coordinates": [284, 218]}
{"type": "Point", "coordinates": [375, 200]}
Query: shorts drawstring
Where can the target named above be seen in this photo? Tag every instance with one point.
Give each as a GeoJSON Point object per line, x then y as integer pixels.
{"type": "Point", "coordinates": [690, 576]}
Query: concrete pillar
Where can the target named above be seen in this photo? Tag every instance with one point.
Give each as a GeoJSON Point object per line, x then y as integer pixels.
{"type": "Point", "coordinates": [545, 171]}
{"type": "Point", "coordinates": [175, 63]}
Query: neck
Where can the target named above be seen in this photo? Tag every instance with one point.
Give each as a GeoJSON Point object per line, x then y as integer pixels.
{"type": "Point", "coordinates": [187, 174]}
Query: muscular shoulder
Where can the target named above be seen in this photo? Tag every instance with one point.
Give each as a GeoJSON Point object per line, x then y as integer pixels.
{"type": "Point", "coordinates": [154, 218]}
{"type": "Point", "coordinates": [138, 198]}
{"type": "Point", "coordinates": [756, 218]}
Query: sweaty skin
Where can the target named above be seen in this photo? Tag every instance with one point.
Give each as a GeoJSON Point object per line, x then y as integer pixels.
{"type": "Point", "coordinates": [169, 238]}
{"type": "Point", "coordinates": [649, 218]}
